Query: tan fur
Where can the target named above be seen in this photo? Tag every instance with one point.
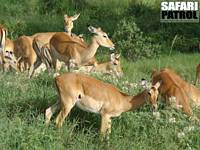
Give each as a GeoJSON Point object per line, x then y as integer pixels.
{"type": "Point", "coordinates": [44, 38]}
{"type": "Point", "coordinates": [43, 51]}
{"type": "Point", "coordinates": [92, 95]}
{"type": "Point", "coordinates": [8, 59]}
{"type": "Point", "coordinates": [173, 85]}
{"type": "Point", "coordinates": [64, 47]}
{"type": "Point", "coordinates": [68, 22]}
{"type": "Point", "coordinates": [24, 49]}
{"type": "Point", "coordinates": [112, 67]}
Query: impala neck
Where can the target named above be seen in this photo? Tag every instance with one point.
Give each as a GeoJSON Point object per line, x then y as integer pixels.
{"type": "Point", "coordinates": [91, 50]}
{"type": "Point", "coordinates": [138, 100]}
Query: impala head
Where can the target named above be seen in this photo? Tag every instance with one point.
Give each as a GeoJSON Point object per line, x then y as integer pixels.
{"type": "Point", "coordinates": [68, 22]}
{"type": "Point", "coordinates": [116, 66]}
{"type": "Point", "coordinates": [101, 37]}
{"type": "Point", "coordinates": [153, 95]}
{"type": "Point", "coordinates": [9, 54]}
{"type": "Point", "coordinates": [10, 59]}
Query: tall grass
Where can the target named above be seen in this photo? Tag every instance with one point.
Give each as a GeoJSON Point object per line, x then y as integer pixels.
{"type": "Point", "coordinates": [23, 101]}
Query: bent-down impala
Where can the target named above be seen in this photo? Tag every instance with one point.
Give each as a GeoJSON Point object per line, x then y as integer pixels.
{"type": "Point", "coordinates": [174, 88]}
{"type": "Point", "coordinates": [111, 67]}
{"type": "Point", "coordinates": [95, 96]}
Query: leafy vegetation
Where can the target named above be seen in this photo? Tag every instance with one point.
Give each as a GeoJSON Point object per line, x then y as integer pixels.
{"type": "Point", "coordinates": [132, 42]}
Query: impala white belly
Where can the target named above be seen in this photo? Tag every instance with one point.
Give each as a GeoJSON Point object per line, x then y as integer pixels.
{"type": "Point", "coordinates": [89, 104]}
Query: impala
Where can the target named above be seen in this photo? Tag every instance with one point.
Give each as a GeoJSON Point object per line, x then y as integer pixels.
{"type": "Point", "coordinates": [24, 45]}
{"type": "Point", "coordinates": [64, 47]}
{"type": "Point", "coordinates": [92, 95]}
{"type": "Point", "coordinates": [68, 22]}
{"type": "Point", "coordinates": [172, 85]}
{"type": "Point", "coordinates": [41, 45]}
{"type": "Point", "coordinates": [23, 48]}
{"type": "Point", "coordinates": [8, 59]}
{"type": "Point", "coordinates": [44, 53]}
{"type": "Point", "coordinates": [112, 67]}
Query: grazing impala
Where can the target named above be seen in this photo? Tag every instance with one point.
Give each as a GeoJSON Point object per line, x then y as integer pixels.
{"type": "Point", "coordinates": [92, 95]}
{"type": "Point", "coordinates": [172, 85]}
{"type": "Point", "coordinates": [64, 48]}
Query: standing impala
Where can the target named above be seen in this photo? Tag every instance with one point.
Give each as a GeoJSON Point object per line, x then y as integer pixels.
{"type": "Point", "coordinates": [7, 58]}
{"type": "Point", "coordinates": [95, 96]}
{"type": "Point", "coordinates": [65, 48]}
{"type": "Point", "coordinates": [24, 45]}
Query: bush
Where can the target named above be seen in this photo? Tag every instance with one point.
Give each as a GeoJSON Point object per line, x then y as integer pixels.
{"type": "Point", "coordinates": [186, 44]}
{"type": "Point", "coordinates": [132, 43]}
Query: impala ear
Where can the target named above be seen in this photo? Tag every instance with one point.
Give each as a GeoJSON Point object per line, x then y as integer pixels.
{"type": "Point", "coordinates": [75, 17]}
{"type": "Point", "coordinates": [112, 56]}
{"type": "Point", "coordinates": [65, 16]}
{"type": "Point", "coordinates": [117, 56]}
{"type": "Point", "coordinates": [80, 35]}
{"type": "Point", "coordinates": [99, 29]}
{"type": "Point", "coordinates": [92, 29]}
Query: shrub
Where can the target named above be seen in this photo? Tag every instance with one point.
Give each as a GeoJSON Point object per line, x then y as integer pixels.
{"type": "Point", "coordinates": [186, 44]}
{"type": "Point", "coordinates": [132, 43]}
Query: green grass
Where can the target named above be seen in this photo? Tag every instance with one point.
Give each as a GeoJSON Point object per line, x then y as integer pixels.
{"type": "Point", "coordinates": [23, 101]}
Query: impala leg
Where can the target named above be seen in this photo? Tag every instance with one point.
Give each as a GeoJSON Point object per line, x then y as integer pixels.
{"type": "Point", "coordinates": [55, 64]}
{"type": "Point", "coordinates": [185, 106]}
{"type": "Point", "coordinates": [197, 77]}
{"type": "Point", "coordinates": [65, 108]}
{"type": "Point", "coordinates": [105, 125]}
{"type": "Point", "coordinates": [50, 111]}
{"type": "Point", "coordinates": [34, 67]}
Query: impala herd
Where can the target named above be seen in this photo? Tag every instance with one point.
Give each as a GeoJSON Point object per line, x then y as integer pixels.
{"type": "Point", "coordinates": [52, 50]}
